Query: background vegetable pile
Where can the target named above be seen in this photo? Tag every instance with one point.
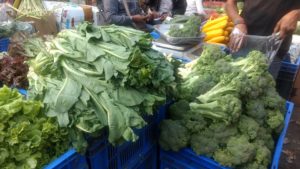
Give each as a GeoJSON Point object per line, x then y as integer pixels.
{"type": "Point", "coordinates": [95, 78]}
{"type": "Point", "coordinates": [28, 139]}
{"type": "Point", "coordinates": [227, 109]}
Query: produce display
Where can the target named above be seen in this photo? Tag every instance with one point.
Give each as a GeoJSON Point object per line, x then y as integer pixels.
{"type": "Point", "coordinates": [188, 29]}
{"type": "Point", "coordinates": [227, 109]}
{"type": "Point", "coordinates": [217, 31]}
{"type": "Point", "coordinates": [95, 78]}
{"type": "Point", "coordinates": [13, 71]}
{"type": "Point", "coordinates": [29, 139]}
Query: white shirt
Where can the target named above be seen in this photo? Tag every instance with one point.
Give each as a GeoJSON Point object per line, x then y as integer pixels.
{"type": "Point", "coordinates": [194, 6]}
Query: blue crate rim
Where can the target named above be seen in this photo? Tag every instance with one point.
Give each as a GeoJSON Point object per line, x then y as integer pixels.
{"type": "Point", "coordinates": [68, 156]}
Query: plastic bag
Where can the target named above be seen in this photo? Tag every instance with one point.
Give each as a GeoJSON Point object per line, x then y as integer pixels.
{"type": "Point", "coordinates": [268, 45]}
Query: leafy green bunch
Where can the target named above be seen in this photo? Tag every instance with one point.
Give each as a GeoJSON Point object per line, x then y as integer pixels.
{"type": "Point", "coordinates": [99, 77]}
{"type": "Point", "coordinates": [28, 139]}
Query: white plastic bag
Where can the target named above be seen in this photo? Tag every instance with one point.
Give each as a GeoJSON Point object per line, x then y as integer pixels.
{"type": "Point", "coordinates": [269, 45]}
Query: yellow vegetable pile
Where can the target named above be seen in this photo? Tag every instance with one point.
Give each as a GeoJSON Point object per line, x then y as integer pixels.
{"type": "Point", "coordinates": [217, 31]}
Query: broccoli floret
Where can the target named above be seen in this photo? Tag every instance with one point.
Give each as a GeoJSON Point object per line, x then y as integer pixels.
{"type": "Point", "coordinates": [209, 56]}
{"type": "Point", "coordinates": [255, 109]}
{"type": "Point", "coordinates": [194, 86]}
{"type": "Point", "coordinates": [225, 108]}
{"type": "Point", "coordinates": [178, 110]}
{"type": "Point", "coordinates": [264, 137]}
{"type": "Point", "coordinates": [261, 160]}
{"type": "Point", "coordinates": [173, 135]}
{"type": "Point", "coordinates": [238, 151]}
{"type": "Point", "coordinates": [254, 62]}
{"type": "Point", "coordinates": [222, 132]}
{"type": "Point", "coordinates": [248, 126]}
{"type": "Point", "coordinates": [272, 100]}
{"type": "Point", "coordinates": [204, 143]}
{"type": "Point", "coordinates": [274, 119]}
{"type": "Point", "coordinates": [194, 122]}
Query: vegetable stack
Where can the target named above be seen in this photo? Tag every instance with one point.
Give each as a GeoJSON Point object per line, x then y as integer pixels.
{"type": "Point", "coordinates": [29, 139]}
{"type": "Point", "coordinates": [227, 109]}
{"type": "Point", "coordinates": [217, 31]}
{"type": "Point", "coordinates": [95, 78]}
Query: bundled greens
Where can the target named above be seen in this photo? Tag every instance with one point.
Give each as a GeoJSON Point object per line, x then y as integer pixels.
{"type": "Point", "coordinates": [32, 8]}
{"type": "Point", "coordinates": [227, 109]}
{"type": "Point", "coordinates": [29, 139]}
{"type": "Point", "coordinates": [99, 77]}
{"type": "Point", "coordinates": [188, 29]}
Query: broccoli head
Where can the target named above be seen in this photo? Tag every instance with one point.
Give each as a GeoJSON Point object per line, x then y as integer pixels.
{"type": "Point", "coordinates": [254, 62]}
{"type": "Point", "coordinates": [262, 159]}
{"type": "Point", "coordinates": [194, 86]}
{"type": "Point", "coordinates": [204, 143]}
{"type": "Point", "coordinates": [272, 100]}
{"type": "Point", "coordinates": [274, 119]}
{"type": "Point", "coordinates": [264, 137]}
{"type": "Point", "coordinates": [222, 132]}
{"type": "Point", "coordinates": [210, 55]}
{"type": "Point", "coordinates": [194, 122]}
{"type": "Point", "coordinates": [255, 109]}
{"type": "Point", "coordinates": [173, 135]}
{"type": "Point", "coordinates": [178, 110]}
{"type": "Point", "coordinates": [248, 126]}
{"type": "Point", "coordinates": [225, 108]}
{"type": "Point", "coordinates": [238, 151]}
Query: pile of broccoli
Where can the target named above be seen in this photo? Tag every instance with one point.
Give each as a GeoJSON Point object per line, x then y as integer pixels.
{"type": "Point", "coordinates": [189, 29]}
{"type": "Point", "coordinates": [227, 109]}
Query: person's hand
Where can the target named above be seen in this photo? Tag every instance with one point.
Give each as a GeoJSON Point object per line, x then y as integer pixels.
{"type": "Point", "coordinates": [139, 18]}
{"type": "Point", "coordinates": [237, 37]}
{"type": "Point", "coordinates": [287, 24]}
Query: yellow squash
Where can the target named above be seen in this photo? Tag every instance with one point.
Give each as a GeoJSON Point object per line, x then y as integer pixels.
{"type": "Point", "coordinates": [215, 21]}
{"type": "Point", "coordinates": [220, 25]}
{"type": "Point", "coordinates": [219, 39]}
{"type": "Point", "coordinates": [214, 33]}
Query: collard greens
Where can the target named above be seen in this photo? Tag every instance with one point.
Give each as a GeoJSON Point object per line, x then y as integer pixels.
{"type": "Point", "coordinates": [99, 77]}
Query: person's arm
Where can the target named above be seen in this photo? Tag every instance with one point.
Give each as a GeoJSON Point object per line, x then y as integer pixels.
{"type": "Point", "coordinates": [233, 13]}
{"type": "Point", "coordinates": [111, 10]}
{"type": "Point", "coordinates": [288, 23]}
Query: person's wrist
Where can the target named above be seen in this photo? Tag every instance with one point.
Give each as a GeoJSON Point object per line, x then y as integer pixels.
{"type": "Point", "coordinates": [238, 22]}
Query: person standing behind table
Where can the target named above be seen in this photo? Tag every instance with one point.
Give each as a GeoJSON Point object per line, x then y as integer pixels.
{"type": "Point", "coordinates": [194, 7]}
{"type": "Point", "coordinates": [115, 13]}
{"type": "Point", "coordinates": [263, 18]}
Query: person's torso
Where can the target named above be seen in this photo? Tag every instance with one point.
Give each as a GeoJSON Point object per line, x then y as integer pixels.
{"type": "Point", "coordinates": [261, 16]}
{"type": "Point", "coordinates": [133, 6]}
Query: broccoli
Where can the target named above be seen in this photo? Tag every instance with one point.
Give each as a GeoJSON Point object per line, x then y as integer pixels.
{"type": "Point", "coordinates": [262, 159]}
{"type": "Point", "coordinates": [248, 126]}
{"type": "Point", "coordinates": [225, 108]}
{"type": "Point", "coordinates": [254, 62]}
{"type": "Point", "coordinates": [272, 100]}
{"type": "Point", "coordinates": [238, 151]}
{"type": "Point", "coordinates": [209, 56]}
{"type": "Point", "coordinates": [274, 119]}
{"type": "Point", "coordinates": [178, 110]}
{"type": "Point", "coordinates": [204, 143]}
{"type": "Point", "coordinates": [194, 122]}
{"type": "Point", "coordinates": [255, 109]}
{"type": "Point", "coordinates": [222, 132]}
{"type": "Point", "coordinates": [173, 135]}
{"type": "Point", "coordinates": [194, 86]}
{"type": "Point", "coordinates": [264, 137]}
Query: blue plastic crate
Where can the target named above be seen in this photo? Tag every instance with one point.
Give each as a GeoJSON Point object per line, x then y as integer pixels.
{"type": "Point", "coordinates": [4, 43]}
{"type": "Point", "coordinates": [286, 77]}
{"type": "Point", "coordinates": [102, 155]}
{"type": "Point", "coordinates": [187, 159]}
{"type": "Point", "coordinates": [70, 160]}
{"type": "Point", "coordinates": [147, 161]}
